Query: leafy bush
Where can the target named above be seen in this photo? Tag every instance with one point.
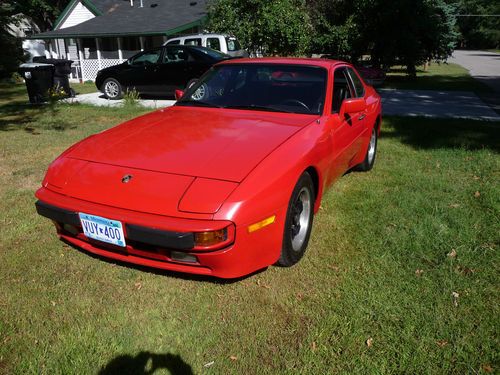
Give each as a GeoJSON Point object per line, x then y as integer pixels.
{"type": "Point", "coordinates": [131, 98]}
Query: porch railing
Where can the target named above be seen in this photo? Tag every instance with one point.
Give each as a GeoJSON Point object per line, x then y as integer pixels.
{"type": "Point", "coordinates": [90, 67]}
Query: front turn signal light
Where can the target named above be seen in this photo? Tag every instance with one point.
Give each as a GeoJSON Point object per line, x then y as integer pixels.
{"type": "Point", "coordinates": [214, 239]}
{"type": "Point", "coordinates": [207, 239]}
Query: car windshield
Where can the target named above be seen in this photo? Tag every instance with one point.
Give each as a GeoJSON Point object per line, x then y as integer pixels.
{"type": "Point", "coordinates": [260, 87]}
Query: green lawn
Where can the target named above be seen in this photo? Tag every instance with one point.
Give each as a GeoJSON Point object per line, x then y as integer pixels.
{"type": "Point", "coordinates": [401, 274]}
{"type": "Point", "coordinates": [442, 76]}
{"type": "Point", "coordinates": [84, 88]}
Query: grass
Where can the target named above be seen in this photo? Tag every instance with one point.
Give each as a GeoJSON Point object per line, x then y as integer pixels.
{"type": "Point", "coordinates": [388, 250]}
{"type": "Point", "coordinates": [84, 88]}
{"type": "Point", "coordinates": [443, 77]}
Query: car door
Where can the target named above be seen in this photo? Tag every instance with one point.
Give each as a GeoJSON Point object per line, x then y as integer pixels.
{"type": "Point", "coordinates": [342, 130]}
{"type": "Point", "coordinates": [358, 119]}
{"type": "Point", "coordinates": [140, 71]}
{"type": "Point", "coordinates": [174, 69]}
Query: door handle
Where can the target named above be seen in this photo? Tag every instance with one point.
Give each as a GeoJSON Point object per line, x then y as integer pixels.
{"type": "Point", "coordinates": [361, 117]}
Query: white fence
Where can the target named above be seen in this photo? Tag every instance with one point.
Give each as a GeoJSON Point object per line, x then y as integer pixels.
{"type": "Point", "coordinates": [90, 67]}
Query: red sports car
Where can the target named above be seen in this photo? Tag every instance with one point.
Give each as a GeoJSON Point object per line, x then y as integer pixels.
{"type": "Point", "coordinates": [227, 180]}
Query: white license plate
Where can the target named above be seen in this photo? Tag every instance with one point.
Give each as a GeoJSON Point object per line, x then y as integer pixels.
{"type": "Point", "coordinates": [102, 229]}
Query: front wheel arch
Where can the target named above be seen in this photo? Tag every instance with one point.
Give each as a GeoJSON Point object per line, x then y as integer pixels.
{"type": "Point", "coordinates": [298, 221]}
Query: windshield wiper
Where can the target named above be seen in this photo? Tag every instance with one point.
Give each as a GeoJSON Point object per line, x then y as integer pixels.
{"type": "Point", "coordinates": [197, 103]}
{"type": "Point", "coordinates": [255, 108]}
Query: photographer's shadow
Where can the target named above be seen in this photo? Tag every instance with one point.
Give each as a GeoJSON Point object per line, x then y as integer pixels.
{"type": "Point", "coordinates": [146, 363]}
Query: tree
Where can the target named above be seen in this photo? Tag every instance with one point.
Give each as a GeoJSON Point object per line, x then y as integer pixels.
{"type": "Point", "coordinates": [42, 12]}
{"type": "Point", "coordinates": [9, 61]}
{"type": "Point", "coordinates": [280, 27]}
{"type": "Point", "coordinates": [336, 28]}
{"type": "Point", "coordinates": [409, 33]}
{"type": "Point", "coordinates": [482, 29]}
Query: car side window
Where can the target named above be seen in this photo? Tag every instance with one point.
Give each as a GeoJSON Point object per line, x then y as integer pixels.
{"type": "Point", "coordinates": [193, 42]}
{"type": "Point", "coordinates": [213, 43]}
{"type": "Point", "coordinates": [146, 58]}
{"type": "Point", "coordinates": [232, 44]}
{"type": "Point", "coordinates": [176, 54]}
{"type": "Point", "coordinates": [342, 89]}
{"type": "Point", "coordinates": [358, 85]}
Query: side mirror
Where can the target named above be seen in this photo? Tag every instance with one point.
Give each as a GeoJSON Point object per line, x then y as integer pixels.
{"type": "Point", "coordinates": [178, 94]}
{"type": "Point", "coordinates": [354, 105]}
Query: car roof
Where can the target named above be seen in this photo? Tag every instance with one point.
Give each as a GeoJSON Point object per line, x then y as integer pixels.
{"type": "Point", "coordinates": [325, 63]}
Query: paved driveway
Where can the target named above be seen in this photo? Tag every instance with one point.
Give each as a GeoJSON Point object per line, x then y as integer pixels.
{"type": "Point", "coordinates": [439, 104]}
{"type": "Point", "coordinates": [98, 99]}
{"type": "Point", "coordinates": [442, 104]}
{"type": "Point", "coordinates": [485, 67]}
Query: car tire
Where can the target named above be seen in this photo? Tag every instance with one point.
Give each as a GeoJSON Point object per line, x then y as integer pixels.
{"type": "Point", "coordinates": [369, 160]}
{"type": "Point", "coordinates": [112, 89]}
{"type": "Point", "coordinates": [298, 222]}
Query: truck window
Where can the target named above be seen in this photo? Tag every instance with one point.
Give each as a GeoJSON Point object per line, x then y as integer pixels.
{"type": "Point", "coordinates": [213, 43]}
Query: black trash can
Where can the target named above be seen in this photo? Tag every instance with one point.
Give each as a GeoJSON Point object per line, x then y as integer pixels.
{"type": "Point", "coordinates": [39, 80]}
{"type": "Point", "coordinates": [61, 73]}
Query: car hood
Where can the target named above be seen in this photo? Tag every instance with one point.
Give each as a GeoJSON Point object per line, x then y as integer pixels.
{"type": "Point", "coordinates": [198, 142]}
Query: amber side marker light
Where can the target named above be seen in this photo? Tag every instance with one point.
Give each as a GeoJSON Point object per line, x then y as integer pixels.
{"type": "Point", "coordinates": [261, 224]}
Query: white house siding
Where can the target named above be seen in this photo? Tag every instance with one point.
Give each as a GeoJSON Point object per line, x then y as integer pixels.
{"type": "Point", "coordinates": [79, 14]}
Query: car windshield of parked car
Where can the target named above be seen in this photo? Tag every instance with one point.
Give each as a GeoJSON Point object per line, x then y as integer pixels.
{"type": "Point", "coordinates": [260, 87]}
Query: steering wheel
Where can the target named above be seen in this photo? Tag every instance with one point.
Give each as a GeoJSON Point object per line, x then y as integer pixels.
{"type": "Point", "coordinates": [297, 102]}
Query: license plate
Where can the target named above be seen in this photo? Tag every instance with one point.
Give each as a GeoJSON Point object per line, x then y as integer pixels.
{"type": "Point", "coordinates": [102, 229]}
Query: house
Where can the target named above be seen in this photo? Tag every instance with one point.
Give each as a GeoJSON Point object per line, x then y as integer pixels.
{"type": "Point", "coordinates": [101, 33]}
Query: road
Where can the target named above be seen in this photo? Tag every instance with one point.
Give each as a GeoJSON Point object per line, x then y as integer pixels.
{"type": "Point", "coordinates": [485, 67]}
{"type": "Point", "coordinates": [437, 104]}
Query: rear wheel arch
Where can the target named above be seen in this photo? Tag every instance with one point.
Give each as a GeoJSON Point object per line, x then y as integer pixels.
{"type": "Point", "coordinates": [378, 123]}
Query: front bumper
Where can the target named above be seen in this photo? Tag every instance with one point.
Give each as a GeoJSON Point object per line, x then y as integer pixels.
{"type": "Point", "coordinates": [152, 238]}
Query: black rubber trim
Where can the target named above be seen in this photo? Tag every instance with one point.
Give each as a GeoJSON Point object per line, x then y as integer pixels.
{"type": "Point", "coordinates": [57, 214]}
{"type": "Point", "coordinates": [156, 237]}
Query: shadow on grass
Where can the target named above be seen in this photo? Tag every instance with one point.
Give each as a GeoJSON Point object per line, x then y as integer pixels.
{"type": "Point", "coordinates": [160, 272]}
{"type": "Point", "coordinates": [10, 91]}
{"type": "Point", "coordinates": [444, 133]}
{"type": "Point", "coordinates": [14, 115]}
{"type": "Point", "coordinates": [17, 115]}
{"type": "Point", "coordinates": [436, 82]}
{"type": "Point", "coordinates": [146, 363]}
